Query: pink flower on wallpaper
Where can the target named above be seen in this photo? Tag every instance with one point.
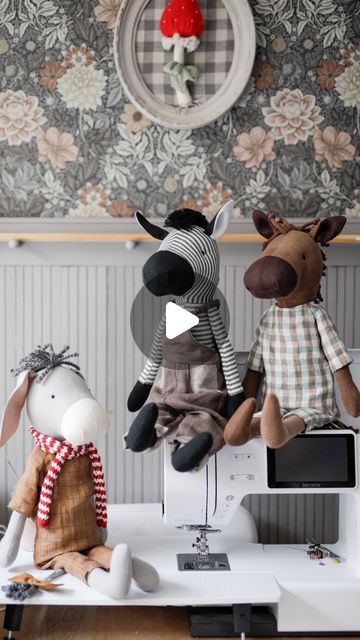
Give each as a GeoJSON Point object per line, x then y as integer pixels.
{"type": "Point", "coordinates": [120, 209]}
{"type": "Point", "coordinates": [263, 73]}
{"type": "Point", "coordinates": [292, 115]}
{"type": "Point", "coordinates": [56, 147]}
{"type": "Point", "coordinates": [78, 55]}
{"type": "Point", "coordinates": [49, 75]}
{"type": "Point", "coordinates": [254, 147]}
{"type": "Point", "coordinates": [327, 72]}
{"type": "Point", "coordinates": [20, 117]}
{"type": "Point", "coordinates": [213, 197]}
{"type": "Point", "coordinates": [333, 146]}
{"type": "Point", "coordinates": [106, 11]}
{"type": "Point", "coordinates": [91, 194]}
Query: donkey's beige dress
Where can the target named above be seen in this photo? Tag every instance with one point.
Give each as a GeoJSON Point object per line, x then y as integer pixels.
{"type": "Point", "coordinates": [72, 540]}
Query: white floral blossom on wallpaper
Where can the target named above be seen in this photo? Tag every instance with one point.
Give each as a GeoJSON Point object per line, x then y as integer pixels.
{"type": "Point", "coordinates": [82, 87]}
{"type": "Point", "coordinates": [292, 116]}
{"type": "Point", "coordinates": [348, 85]}
{"type": "Point", "coordinates": [73, 145]}
{"type": "Point", "coordinates": [20, 117]}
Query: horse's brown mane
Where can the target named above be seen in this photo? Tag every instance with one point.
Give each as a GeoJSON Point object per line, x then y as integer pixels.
{"type": "Point", "coordinates": [282, 226]}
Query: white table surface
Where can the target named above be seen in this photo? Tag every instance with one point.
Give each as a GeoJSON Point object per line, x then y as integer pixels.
{"type": "Point", "coordinates": [258, 573]}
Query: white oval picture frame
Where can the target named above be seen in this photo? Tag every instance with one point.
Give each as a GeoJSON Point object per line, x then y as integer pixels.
{"type": "Point", "coordinates": [196, 116]}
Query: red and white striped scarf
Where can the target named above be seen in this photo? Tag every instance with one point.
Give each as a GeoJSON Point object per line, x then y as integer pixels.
{"type": "Point", "coordinates": [63, 451]}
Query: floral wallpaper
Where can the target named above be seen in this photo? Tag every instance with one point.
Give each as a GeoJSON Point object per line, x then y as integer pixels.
{"type": "Point", "coordinates": [71, 145]}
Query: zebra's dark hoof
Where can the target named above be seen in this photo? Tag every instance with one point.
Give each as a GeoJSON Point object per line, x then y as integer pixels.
{"type": "Point", "coordinates": [190, 455]}
{"type": "Point", "coordinates": [142, 434]}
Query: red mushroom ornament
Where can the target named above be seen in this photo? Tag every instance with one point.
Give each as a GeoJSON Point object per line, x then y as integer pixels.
{"type": "Point", "coordinates": [181, 25]}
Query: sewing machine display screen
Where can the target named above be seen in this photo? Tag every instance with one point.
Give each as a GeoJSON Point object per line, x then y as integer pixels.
{"type": "Point", "coordinates": [313, 461]}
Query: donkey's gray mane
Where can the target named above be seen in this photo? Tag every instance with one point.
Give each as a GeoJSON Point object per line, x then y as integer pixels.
{"type": "Point", "coordinates": [45, 359]}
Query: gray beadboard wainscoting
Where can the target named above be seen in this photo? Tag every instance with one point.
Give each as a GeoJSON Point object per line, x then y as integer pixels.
{"type": "Point", "coordinates": [81, 294]}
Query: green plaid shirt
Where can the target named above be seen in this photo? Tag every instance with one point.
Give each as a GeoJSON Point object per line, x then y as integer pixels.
{"type": "Point", "coordinates": [298, 350]}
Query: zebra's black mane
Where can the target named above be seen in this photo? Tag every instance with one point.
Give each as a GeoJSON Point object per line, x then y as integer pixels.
{"type": "Point", "coordinates": [186, 218]}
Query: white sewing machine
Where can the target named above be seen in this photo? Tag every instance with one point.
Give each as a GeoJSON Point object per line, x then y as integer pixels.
{"type": "Point", "coordinates": [306, 596]}
{"type": "Point", "coordinates": [301, 596]}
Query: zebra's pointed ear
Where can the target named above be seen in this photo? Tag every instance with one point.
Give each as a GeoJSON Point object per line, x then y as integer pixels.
{"type": "Point", "coordinates": [220, 221]}
{"type": "Point", "coordinates": [152, 229]}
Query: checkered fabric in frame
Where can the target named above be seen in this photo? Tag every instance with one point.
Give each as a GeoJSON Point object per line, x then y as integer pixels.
{"type": "Point", "coordinates": [298, 350]}
{"type": "Point", "coordinates": [213, 57]}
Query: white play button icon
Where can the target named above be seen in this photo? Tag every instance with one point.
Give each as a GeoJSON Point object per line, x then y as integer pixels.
{"type": "Point", "coordinates": [178, 320]}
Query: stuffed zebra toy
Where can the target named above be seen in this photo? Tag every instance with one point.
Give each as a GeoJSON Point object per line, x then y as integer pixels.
{"type": "Point", "coordinates": [192, 379]}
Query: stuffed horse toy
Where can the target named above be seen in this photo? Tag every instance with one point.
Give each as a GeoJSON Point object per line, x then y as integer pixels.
{"type": "Point", "coordinates": [62, 476]}
{"type": "Point", "coordinates": [193, 378]}
{"type": "Point", "coordinates": [297, 350]}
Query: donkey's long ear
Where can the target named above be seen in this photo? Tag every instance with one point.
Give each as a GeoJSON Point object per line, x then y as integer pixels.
{"type": "Point", "coordinates": [220, 221]}
{"type": "Point", "coordinates": [12, 412]}
{"type": "Point", "coordinates": [328, 229]}
{"type": "Point", "coordinates": [262, 223]}
{"type": "Point", "coordinates": [152, 229]}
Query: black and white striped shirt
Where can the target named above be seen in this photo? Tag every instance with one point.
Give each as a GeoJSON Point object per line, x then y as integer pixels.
{"type": "Point", "coordinates": [202, 253]}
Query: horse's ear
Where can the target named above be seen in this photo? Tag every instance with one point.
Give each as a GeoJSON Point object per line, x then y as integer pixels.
{"type": "Point", "coordinates": [220, 221]}
{"type": "Point", "coordinates": [262, 223]}
{"type": "Point", "coordinates": [152, 229]}
{"type": "Point", "coordinates": [15, 404]}
{"type": "Point", "coordinates": [328, 229]}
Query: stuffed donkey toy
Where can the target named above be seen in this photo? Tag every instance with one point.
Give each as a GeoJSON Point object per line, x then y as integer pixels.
{"type": "Point", "coordinates": [198, 380]}
{"type": "Point", "coordinates": [62, 476]}
{"type": "Point", "coordinates": [296, 350]}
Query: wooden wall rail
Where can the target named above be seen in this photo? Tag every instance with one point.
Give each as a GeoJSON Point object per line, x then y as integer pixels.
{"type": "Point", "coordinates": [230, 238]}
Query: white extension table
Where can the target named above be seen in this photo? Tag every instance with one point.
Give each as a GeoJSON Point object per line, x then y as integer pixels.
{"type": "Point", "coordinates": [277, 575]}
